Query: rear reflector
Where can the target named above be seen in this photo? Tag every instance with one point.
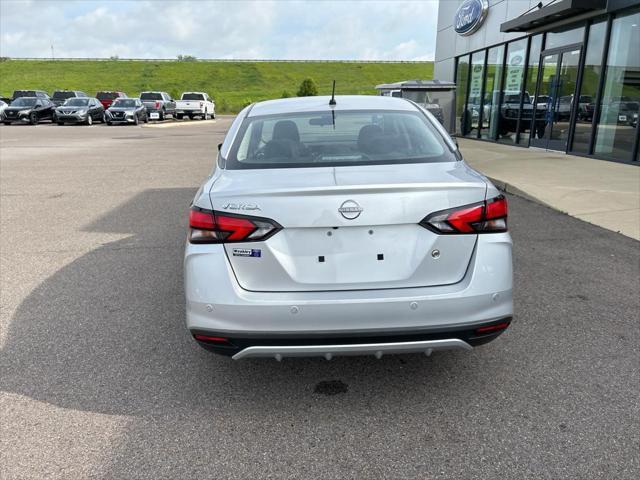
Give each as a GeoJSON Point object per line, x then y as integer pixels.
{"type": "Point", "coordinates": [207, 338]}
{"type": "Point", "coordinates": [492, 328]}
{"type": "Point", "coordinates": [207, 226]}
{"type": "Point", "coordinates": [489, 216]}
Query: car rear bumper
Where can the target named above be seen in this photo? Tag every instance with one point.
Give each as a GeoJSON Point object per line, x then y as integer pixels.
{"type": "Point", "coordinates": [217, 306]}
{"type": "Point", "coordinates": [329, 345]}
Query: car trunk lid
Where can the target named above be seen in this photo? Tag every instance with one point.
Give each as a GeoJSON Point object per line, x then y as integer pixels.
{"type": "Point", "coordinates": [349, 228]}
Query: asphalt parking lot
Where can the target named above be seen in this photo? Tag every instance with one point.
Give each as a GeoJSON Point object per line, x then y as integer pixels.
{"type": "Point", "coordinates": [100, 378]}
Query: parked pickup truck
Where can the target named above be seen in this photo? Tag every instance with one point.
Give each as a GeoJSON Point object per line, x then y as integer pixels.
{"type": "Point", "coordinates": [158, 104]}
{"type": "Point", "coordinates": [195, 104]}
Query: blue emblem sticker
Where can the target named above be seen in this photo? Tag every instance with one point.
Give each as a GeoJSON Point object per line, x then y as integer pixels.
{"type": "Point", "coordinates": [247, 252]}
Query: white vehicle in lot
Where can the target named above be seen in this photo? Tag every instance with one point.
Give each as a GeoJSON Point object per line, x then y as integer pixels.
{"type": "Point", "coordinates": [351, 227]}
{"type": "Point", "coordinates": [195, 104]}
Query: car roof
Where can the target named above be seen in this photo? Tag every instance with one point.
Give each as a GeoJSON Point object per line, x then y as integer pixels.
{"type": "Point", "coordinates": [343, 102]}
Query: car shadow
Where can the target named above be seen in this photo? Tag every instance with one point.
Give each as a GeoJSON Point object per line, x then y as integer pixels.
{"type": "Point", "coordinates": [106, 334]}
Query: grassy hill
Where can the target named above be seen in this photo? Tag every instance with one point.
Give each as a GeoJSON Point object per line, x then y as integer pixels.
{"type": "Point", "coordinates": [232, 84]}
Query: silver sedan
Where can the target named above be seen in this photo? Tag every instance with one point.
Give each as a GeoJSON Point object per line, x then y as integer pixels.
{"type": "Point", "coordinates": [346, 226]}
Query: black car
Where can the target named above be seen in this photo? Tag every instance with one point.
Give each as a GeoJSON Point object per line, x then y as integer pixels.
{"type": "Point", "coordinates": [126, 110]}
{"type": "Point", "coordinates": [80, 110]}
{"type": "Point", "coordinates": [61, 96]}
{"type": "Point", "coordinates": [29, 109]}
{"type": "Point", "coordinates": [29, 93]}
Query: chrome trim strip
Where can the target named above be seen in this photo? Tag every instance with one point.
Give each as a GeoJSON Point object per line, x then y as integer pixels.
{"type": "Point", "coordinates": [329, 351]}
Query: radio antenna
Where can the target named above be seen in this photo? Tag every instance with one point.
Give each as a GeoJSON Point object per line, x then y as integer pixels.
{"type": "Point", "coordinates": [333, 95]}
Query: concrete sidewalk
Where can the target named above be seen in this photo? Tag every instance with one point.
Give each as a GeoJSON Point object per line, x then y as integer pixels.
{"type": "Point", "coordinates": [596, 191]}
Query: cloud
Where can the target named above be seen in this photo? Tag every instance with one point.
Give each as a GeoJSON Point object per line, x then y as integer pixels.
{"type": "Point", "coordinates": [400, 30]}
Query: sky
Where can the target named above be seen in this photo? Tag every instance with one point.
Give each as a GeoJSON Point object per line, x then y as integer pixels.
{"type": "Point", "coordinates": [266, 29]}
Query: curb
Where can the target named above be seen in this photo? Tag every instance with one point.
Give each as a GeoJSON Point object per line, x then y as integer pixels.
{"type": "Point", "coordinates": [508, 188]}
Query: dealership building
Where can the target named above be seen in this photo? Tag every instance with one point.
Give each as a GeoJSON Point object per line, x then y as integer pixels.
{"type": "Point", "coordinates": [560, 75]}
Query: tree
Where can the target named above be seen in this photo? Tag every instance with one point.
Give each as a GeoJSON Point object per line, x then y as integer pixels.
{"type": "Point", "coordinates": [308, 88]}
{"type": "Point", "coordinates": [186, 58]}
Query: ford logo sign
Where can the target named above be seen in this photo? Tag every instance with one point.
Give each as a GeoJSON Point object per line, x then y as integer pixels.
{"type": "Point", "coordinates": [470, 16]}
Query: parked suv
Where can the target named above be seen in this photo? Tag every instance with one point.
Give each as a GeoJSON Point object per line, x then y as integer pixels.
{"type": "Point", "coordinates": [29, 109]}
{"type": "Point", "coordinates": [80, 110]}
{"type": "Point", "coordinates": [29, 93]}
{"type": "Point", "coordinates": [60, 96]}
{"type": "Point", "coordinates": [158, 104]}
{"type": "Point", "coordinates": [107, 98]}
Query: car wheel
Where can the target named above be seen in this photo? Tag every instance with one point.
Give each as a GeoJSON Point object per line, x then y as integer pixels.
{"type": "Point", "coordinates": [205, 115]}
{"type": "Point", "coordinates": [33, 118]}
{"type": "Point", "coordinates": [109, 123]}
{"type": "Point", "coordinates": [7, 123]}
{"type": "Point", "coordinates": [179, 116]}
{"type": "Point", "coordinates": [89, 119]}
{"type": "Point", "coordinates": [136, 120]}
{"type": "Point", "coordinates": [103, 118]}
{"type": "Point", "coordinates": [213, 116]}
{"type": "Point", "coordinates": [162, 115]}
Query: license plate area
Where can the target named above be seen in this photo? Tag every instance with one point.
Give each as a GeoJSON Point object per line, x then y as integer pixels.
{"type": "Point", "coordinates": [389, 256]}
{"type": "Point", "coordinates": [154, 115]}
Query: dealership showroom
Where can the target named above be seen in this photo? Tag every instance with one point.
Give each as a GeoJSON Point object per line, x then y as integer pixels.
{"type": "Point", "coordinates": [559, 75]}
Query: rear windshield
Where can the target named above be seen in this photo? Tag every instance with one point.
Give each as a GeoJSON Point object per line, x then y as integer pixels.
{"type": "Point", "coordinates": [24, 93]}
{"type": "Point", "coordinates": [317, 139]}
{"type": "Point", "coordinates": [63, 95]}
{"type": "Point", "coordinates": [151, 96]}
{"type": "Point", "coordinates": [24, 102]}
{"type": "Point", "coordinates": [106, 95]}
{"type": "Point", "coordinates": [192, 96]}
{"type": "Point", "coordinates": [124, 103]}
{"type": "Point", "coordinates": [77, 102]}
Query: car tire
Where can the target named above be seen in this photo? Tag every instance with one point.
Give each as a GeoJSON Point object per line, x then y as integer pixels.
{"type": "Point", "coordinates": [103, 118]}
{"type": "Point", "coordinates": [162, 115]}
{"type": "Point", "coordinates": [146, 119]}
{"type": "Point", "coordinates": [213, 116]}
{"type": "Point", "coordinates": [109, 123]}
{"type": "Point", "coordinates": [33, 118]}
{"type": "Point", "coordinates": [89, 120]}
{"type": "Point", "coordinates": [60, 123]}
{"type": "Point", "coordinates": [136, 120]}
{"type": "Point", "coordinates": [7, 123]}
{"type": "Point", "coordinates": [179, 116]}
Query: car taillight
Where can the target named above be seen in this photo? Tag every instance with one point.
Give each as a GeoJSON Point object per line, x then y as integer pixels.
{"type": "Point", "coordinates": [489, 216]}
{"type": "Point", "coordinates": [208, 226]}
{"type": "Point", "coordinates": [157, 105]}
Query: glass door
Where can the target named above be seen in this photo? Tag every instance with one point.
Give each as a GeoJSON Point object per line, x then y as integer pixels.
{"type": "Point", "coordinates": [555, 100]}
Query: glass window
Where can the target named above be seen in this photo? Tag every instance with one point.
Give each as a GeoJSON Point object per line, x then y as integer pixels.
{"type": "Point", "coordinates": [461, 93]}
{"type": "Point", "coordinates": [317, 139]}
{"type": "Point", "coordinates": [472, 116]}
{"type": "Point", "coordinates": [564, 37]}
{"type": "Point", "coordinates": [530, 84]}
{"type": "Point", "coordinates": [491, 97]}
{"type": "Point", "coordinates": [589, 87]}
{"type": "Point", "coordinates": [621, 94]}
{"type": "Point", "coordinates": [512, 93]}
